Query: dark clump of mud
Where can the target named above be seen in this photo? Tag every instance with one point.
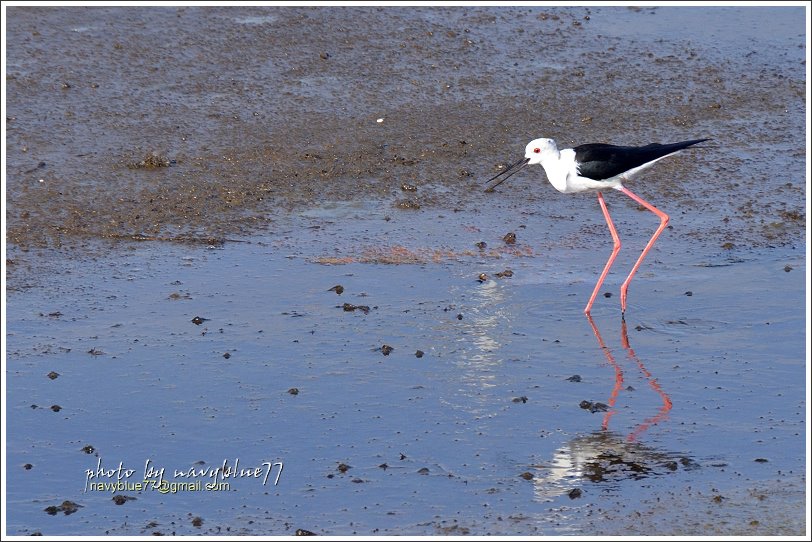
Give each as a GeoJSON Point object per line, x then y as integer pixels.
{"type": "Point", "coordinates": [67, 508]}
{"type": "Point", "coordinates": [593, 407]}
{"type": "Point", "coordinates": [152, 160]}
{"type": "Point", "coordinates": [349, 307]}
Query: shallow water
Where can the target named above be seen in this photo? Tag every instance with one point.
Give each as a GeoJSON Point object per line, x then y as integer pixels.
{"type": "Point", "coordinates": [709, 384]}
{"type": "Point", "coordinates": [698, 400]}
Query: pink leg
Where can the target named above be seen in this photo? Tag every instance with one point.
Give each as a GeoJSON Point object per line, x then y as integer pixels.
{"type": "Point", "coordinates": [611, 260]}
{"type": "Point", "coordinates": [663, 223]}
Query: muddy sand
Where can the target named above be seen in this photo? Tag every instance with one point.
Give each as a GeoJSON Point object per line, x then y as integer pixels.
{"type": "Point", "coordinates": [187, 188]}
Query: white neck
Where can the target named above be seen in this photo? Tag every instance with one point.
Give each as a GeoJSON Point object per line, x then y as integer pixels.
{"type": "Point", "coordinates": [557, 166]}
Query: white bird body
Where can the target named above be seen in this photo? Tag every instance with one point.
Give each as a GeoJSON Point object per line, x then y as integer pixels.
{"type": "Point", "coordinates": [562, 172]}
{"type": "Point", "coordinates": [594, 167]}
{"type": "Point", "coordinates": [563, 168]}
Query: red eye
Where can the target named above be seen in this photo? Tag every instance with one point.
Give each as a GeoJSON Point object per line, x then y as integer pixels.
{"type": "Point", "coordinates": [536, 150]}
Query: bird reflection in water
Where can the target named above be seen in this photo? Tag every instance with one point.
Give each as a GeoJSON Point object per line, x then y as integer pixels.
{"type": "Point", "coordinates": [604, 455]}
{"type": "Point", "coordinates": [624, 340]}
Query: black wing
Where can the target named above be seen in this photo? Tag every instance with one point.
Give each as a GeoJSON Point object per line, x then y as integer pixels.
{"type": "Point", "coordinates": [599, 161]}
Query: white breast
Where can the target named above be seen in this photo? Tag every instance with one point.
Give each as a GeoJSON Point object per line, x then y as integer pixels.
{"type": "Point", "coordinates": [559, 168]}
{"type": "Point", "coordinates": [563, 175]}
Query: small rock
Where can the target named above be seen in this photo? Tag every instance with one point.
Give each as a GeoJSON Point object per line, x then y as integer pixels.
{"type": "Point", "coordinates": [593, 407]}
{"type": "Point", "coordinates": [507, 273]}
{"type": "Point", "coordinates": [521, 399]}
{"type": "Point", "coordinates": [575, 378]}
{"type": "Point", "coordinates": [574, 493]}
{"type": "Point", "coordinates": [197, 521]}
{"type": "Point", "coordinates": [53, 375]}
{"type": "Point", "coordinates": [151, 161]}
{"type": "Point", "coordinates": [424, 471]}
{"type": "Point", "coordinates": [599, 407]}
{"type": "Point", "coordinates": [226, 355]}
{"type": "Point", "coordinates": [343, 467]}
{"type": "Point", "coordinates": [407, 204]}
{"type": "Point", "coordinates": [121, 499]}
{"type": "Point", "coordinates": [689, 293]}
{"type": "Point", "coordinates": [56, 408]}
{"type": "Point", "coordinates": [349, 307]}
{"type": "Point", "coordinates": [386, 349]}
{"type": "Point", "coordinates": [69, 507]}
{"type": "Point", "coordinates": [305, 532]}
{"type": "Point", "coordinates": [510, 238]}
{"type": "Point", "coordinates": [526, 475]}
{"type": "Point", "coordinates": [788, 268]}
{"type": "Point", "coordinates": [418, 354]}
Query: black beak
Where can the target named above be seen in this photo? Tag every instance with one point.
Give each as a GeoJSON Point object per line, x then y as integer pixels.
{"type": "Point", "coordinates": [508, 172]}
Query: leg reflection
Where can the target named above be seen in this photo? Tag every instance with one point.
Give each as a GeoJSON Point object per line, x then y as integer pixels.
{"type": "Point", "coordinates": [606, 457]}
{"type": "Point", "coordinates": [662, 413]}
{"type": "Point", "coordinates": [666, 406]}
{"type": "Point", "coordinates": [618, 375]}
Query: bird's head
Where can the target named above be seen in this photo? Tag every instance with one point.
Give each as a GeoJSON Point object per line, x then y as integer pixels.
{"type": "Point", "coordinates": [538, 149]}
{"type": "Point", "coordinates": [535, 152]}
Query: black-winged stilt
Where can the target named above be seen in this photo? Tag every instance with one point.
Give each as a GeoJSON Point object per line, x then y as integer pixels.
{"type": "Point", "coordinates": [594, 167]}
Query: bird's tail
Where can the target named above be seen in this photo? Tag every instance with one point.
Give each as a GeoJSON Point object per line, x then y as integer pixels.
{"type": "Point", "coordinates": [686, 144]}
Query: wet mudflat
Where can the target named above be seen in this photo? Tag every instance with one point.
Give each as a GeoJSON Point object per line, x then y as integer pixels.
{"type": "Point", "coordinates": [178, 236]}
{"type": "Point", "coordinates": [189, 357]}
